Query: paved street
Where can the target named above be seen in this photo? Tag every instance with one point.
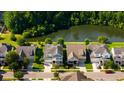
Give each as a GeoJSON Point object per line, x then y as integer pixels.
{"type": "Point", "coordinates": [103, 76]}
{"type": "Point", "coordinates": [31, 75]}
{"type": "Point", "coordinates": [48, 75]}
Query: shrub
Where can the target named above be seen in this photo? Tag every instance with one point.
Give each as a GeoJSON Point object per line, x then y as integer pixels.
{"type": "Point", "coordinates": [26, 34]}
{"type": "Point", "coordinates": [26, 62]}
{"type": "Point", "coordinates": [102, 39]}
{"type": "Point", "coordinates": [56, 74]}
{"type": "Point", "coordinates": [48, 41]}
{"type": "Point", "coordinates": [111, 65]}
{"type": "Point", "coordinates": [87, 41]}
{"type": "Point", "coordinates": [21, 41]}
{"type": "Point", "coordinates": [18, 75]}
{"type": "Point", "coordinates": [61, 41]}
{"type": "Point", "coordinates": [13, 37]}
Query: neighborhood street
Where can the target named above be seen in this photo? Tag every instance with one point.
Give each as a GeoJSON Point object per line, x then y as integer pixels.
{"type": "Point", "coordinates": [98, 76]}
{"type": "Point", "coordinates": [104, 76]}
{"type": "Point", "coordinates": [31, 75]}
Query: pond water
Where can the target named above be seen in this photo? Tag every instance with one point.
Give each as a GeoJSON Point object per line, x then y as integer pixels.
{"type": "Point", "coordinates": [79, 33]}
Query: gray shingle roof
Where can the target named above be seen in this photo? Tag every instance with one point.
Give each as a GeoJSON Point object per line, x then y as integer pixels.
{"type": "Point", "coordinates": [27, 50]}
{"type": "Point", "coordinates": [98, 48]}
{"type": "Point", "coordinates": [118, 51]}
{"type": "Point", "coordinates": [5, 48]}
{"type": "Point", "coordinates": [77, 49]}
{"type": "Point", "coordinates": [53, 49]}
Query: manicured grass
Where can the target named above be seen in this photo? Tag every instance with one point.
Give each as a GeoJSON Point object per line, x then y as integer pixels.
{"type": "Point", "coordinates": [89, 66]}
{"type": "Point", "coordinates": [9, 79]}
{"type": "Point", "coordinates": [40, 78]}
{"type": "Point", "coordinates": [5, 67]}
{"type": "Point", "coordinates": [116, 44]}
{"type": "Point", "coordinates": [65, 70]}
{"type": "Point", "coordinates": [81, 43]}
{"type": "Point", "coordinates": [122, 79]}
{"type": "Point", "coordinates": [6, 39]}
{"type": "Point", "coordinates": [122, 67]}
{"type": "Point", "coordinates": [37, 78]}
{"type": "Point", "coordinates": [38, 66]}
{"type": "Point", "coordinates": [55, 78]}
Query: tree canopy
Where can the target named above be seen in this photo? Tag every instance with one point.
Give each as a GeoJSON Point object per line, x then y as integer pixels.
{"type": "Point", "coordinates": [39, 23]}
{"type": "Point", "coordinates": [12, 56]}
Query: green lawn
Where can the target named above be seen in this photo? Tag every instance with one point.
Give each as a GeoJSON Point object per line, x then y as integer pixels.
{"type": "Point", "coordinates": [122, 67]}
{"type": "Point", "coordinates": [38, 66]}
{"type": "Point", "coordinates": [5, 67]}
{"type": "Point", "coordinates": [89, 66]}
{"type": "Point", "coordinates": [6, 39]}
{"type": "Point", "coordinates": [116, 44]}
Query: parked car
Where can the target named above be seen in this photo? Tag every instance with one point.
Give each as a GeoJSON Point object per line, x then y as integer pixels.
{"type": "Point", "coordinates": [109, 71]}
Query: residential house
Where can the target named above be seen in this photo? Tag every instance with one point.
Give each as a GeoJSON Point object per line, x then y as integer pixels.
{"type": "Point", "coordinates": [53, 54]}
{"type": "Point", "coordinates": [26, 51]}
{"type": "Point", "coordinates": [75, 54]}
{"type": "Point", "coordinates": [99, 54]}
{"type": "Point", "coordinates": [4, 49]}
{"type": "Point", "coordinates": [118, 55]}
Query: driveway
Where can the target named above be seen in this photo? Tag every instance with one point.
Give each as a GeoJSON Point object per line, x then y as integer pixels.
{"type": "Point", "coordinates": [48, 67]}
{"type": "Point", "coordinates": [95, 69]}
{"type": "Point", "coordinates": [81, 66]}
{"type": "Point", "coordinates": [30, 65]}
{"type": "Point", "coordinates": [98, 76]}
{"type": "Point", "coordinates": [94, 62]}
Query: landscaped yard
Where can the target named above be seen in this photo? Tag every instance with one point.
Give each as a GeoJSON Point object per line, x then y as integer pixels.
{"type": "Point", "coordinates": [122, 67]}
{"type": "Point", "coordinates": [6, 39]}
{"type": "Point", "coordinates": [39, 67]}
{"type": "Point", "coordinates": [89, 66]}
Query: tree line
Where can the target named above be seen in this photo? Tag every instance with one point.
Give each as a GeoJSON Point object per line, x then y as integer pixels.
{"type": "Point", "coordinates": [37, 23]}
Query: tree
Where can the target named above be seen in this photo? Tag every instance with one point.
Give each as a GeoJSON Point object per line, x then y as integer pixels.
{"type": "Point", "coordinates": [50, 21]}
{"type": "Point", "coordinates": [12, 56]}
{"type": "Point", "coordinates": [111, 65]}
{"type": "Point", "coordinates": [26, 34]}
{"type": "Point", "coordinates": [102, 39]}
{"type": "Point", "coordinates": [13, 37]}
{"type": "Point", "coordinates": [12, 60]}
{"type": "Point", "coordinates": [61, 41]}
{"type": "Point", "coordinates": [87, 41]}
{"type": "Point", "coordinates": [48, 41]}
{"type": "Point", "coordinates": [19, 75]}
{"type": "Point", "coordinates": [14, 66]}
{"type": "Point", "coordinates": [26, 62]}
{"type": "Point", "coordinates": [21, 41]}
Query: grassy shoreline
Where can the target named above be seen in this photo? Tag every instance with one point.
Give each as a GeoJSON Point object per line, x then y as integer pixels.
{"type": "Point", "coordinates": [6, 39]}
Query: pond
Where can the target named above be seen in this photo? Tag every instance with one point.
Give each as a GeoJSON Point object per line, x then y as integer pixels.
{"type": "Point", "coordinates": [79, 33]}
